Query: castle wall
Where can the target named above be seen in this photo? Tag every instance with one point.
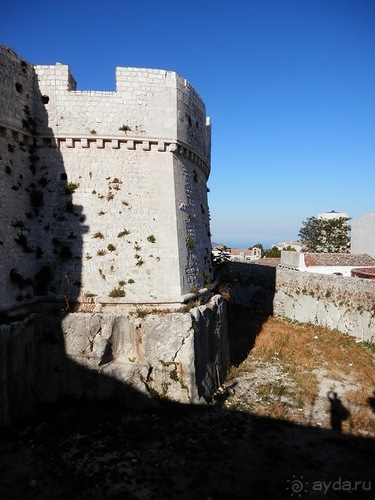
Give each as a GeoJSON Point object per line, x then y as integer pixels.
{"type": "Point", "coordinates": [29, 190]}
{"type": "Point", "coordinates": [337, 302]}
{"type": "Point", "coordinates": [341, 303]}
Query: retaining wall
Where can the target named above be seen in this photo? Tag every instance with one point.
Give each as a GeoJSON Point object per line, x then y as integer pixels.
{"type": "Point", "coordinates": [342, 303]}
{"type": "Point", "coordinates": [137, 358]}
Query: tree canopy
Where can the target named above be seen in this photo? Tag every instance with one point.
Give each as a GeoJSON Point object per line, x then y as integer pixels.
{"type": "Point", "coordinates": [325, 235]}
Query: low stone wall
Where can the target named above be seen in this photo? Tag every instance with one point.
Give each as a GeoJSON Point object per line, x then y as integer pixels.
{"type": "Point", "coordinates": [137, 358]}
{"type": "Point", "coordinates": [341, 303]}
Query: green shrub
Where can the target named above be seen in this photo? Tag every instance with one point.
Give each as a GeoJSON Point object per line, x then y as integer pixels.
{"type": "Point", "coordinates": [116, 292]}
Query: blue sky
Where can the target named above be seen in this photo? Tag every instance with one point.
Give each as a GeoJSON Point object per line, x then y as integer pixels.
{"type": "Point", "coordinates": [289, 86]}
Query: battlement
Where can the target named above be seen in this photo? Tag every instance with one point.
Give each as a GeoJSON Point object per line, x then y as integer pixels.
{"type": "Point", "coordinates": [149, 103]}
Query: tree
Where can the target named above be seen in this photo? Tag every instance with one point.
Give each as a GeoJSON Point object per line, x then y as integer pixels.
{"type": "Point", "coordinates": [325, 235]}
{"type": "Point", "coordinates": [273, 252]}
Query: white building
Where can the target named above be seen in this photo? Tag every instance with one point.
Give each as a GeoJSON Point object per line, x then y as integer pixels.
{"type": "Point", "coordinates": [340, 264]}
{"type": "Point", "coordinates": [363, 235]}
{"type": "Point", "coordinates": [333, 215]}
{"type": "Point", "coordinates": [297, 245]}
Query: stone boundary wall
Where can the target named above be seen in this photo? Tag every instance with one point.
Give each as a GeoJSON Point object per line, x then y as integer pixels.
{"type": "Point", "coordinates": [341, 303]}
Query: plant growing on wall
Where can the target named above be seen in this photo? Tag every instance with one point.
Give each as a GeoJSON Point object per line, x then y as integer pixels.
{"type": "Point", "coordinates": [125, 128]}
{"type": "Point", "coordinates": [39, 252]}
{"type": "Point", "coordinates": [65, 253]}
{"type": "Point", "coordinates": [115, 184]}
{"type": "Point", "coordinates": [140, 313]}
{"type": "Point", "coordinates": [23, 243]}
{"type": "Point", "coordinates": [28, 123]}
{"type": "Point", "coordinates": [43, 181]}
{"type": "Point", "coordinates": [151, 238]}
{"type": "Point", "coordinates": [19, 224]}
{"type": "Point", "coordinates": [187, 116]}
{"type": "Point", "coordinates": [116, 292]}
{"type": "Point", "coordinates": [190, 242]}
{"type": "Point", "coordinates": [69, 207]}
{"type": "Point", "coordinates": [71, 187]}
{"type": "Point", "coordinates": [33, 157]}
{"type": "Point", "coordinates": [123, 233]}
{"type": "Point", "coordinates": [17, 279]}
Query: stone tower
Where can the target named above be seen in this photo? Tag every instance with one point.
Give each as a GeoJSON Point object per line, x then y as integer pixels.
{"type": "Point", "coordinates": [103, 193]}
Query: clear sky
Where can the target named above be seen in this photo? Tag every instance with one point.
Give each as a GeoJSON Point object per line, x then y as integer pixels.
{"type": "Point", "coordinates": [289, 86]}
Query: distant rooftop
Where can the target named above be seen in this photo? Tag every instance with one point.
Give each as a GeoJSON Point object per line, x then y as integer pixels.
{"type": "Point", "coordinates": [338, 259]}
{"type": "Point", "coordinates": [332, 215]}
{"type": "Point", "coordinates": [364, 272]}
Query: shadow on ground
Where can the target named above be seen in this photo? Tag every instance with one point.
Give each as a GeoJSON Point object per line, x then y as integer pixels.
{"type": "Point", "coordinates": [244, 326]}
{"type": "Point", "coordinates": [95, 451]}
{"type": "Point", "coordinates": [85, 450]}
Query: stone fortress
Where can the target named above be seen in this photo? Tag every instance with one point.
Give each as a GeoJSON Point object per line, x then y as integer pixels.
{"type": "Point", "coordinates": [105, 253]}
{"type": "Point", "coordinates": [104, 204]}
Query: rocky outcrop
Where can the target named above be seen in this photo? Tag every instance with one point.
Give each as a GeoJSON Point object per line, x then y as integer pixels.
{"type": "Point", "coordinates": [136, 356]}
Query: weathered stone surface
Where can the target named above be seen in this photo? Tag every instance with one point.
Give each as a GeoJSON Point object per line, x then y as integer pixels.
{"type": "Point", "coordinates": [180, 355]}
{"type": "Point", "coordinates": [343, 303]}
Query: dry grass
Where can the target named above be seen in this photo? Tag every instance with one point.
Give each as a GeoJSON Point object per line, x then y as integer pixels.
{"type": "Point", "coordinates": [314, 359]}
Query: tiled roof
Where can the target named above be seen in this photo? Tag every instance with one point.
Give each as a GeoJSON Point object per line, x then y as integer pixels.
{"type": "Point", "coordinates": [364, 272]}
{"type": "Point", "coordinates": [239, 251]}
{"type": "Point", "coordinates": [338, 259]}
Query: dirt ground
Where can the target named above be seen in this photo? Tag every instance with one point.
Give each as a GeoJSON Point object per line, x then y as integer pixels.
{"type": "Point", "coordinates": [231, 449]}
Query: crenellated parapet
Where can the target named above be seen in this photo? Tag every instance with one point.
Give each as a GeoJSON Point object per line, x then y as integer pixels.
{"type": "Point", "coordinates": [148, 104]}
